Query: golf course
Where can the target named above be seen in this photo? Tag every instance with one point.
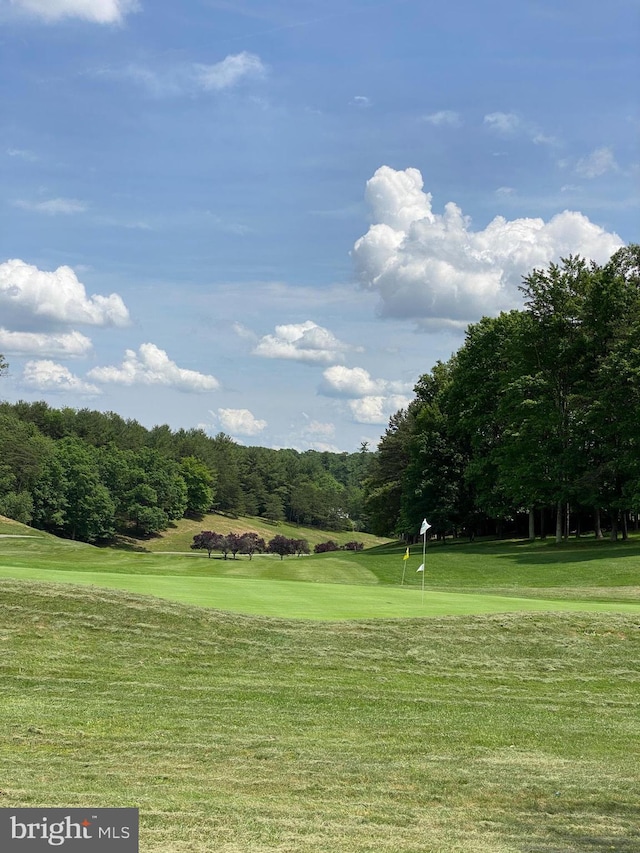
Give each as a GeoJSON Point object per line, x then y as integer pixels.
{"type": "Point", "coordinates": [320, 703]}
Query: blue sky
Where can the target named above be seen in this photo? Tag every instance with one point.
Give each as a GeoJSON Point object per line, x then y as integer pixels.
{"type": "Point", "coordinates": [269, 218]}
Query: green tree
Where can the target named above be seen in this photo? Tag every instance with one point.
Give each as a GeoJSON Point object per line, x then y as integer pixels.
{"type": "Point", "coordinates": [199, 482]}
{"type": "Point", "coordinates": [89, 513]}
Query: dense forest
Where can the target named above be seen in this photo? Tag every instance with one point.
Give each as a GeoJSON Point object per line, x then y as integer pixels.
{"type": "Point", "coordinates": [533, 426]}
{"type": "Point", "coordinates": [87, 475]}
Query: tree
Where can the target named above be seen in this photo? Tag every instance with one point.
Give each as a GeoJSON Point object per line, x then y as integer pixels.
{"type": "Point", "coordinates": [199, 482]}
{"type": "Point", "coordinates": [326, 547]}
{"type": "Point", "coordinates": [207, 541]}
{"type": "Point", "coordinates": [281, 545]}
{"type": "Point", "coordinates": [89, 513]}
{"type": "Point", "coordinates": [251, 543]}
{"type": "Point", "coordinates": [301, 546]}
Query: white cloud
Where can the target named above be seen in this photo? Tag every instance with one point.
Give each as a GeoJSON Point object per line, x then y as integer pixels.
{"type": "Point", "coordinates": [55, 296]}
{"type": "Point", "coordinates": [361, 101]}
{"type": "Point", "coordinates": [511, 124]}
{"type": "Point", "coordinates": [318, 428]}
{"type": "Point", "coordinates": [240, 422]}
{"type": "Point", "coordinates": [230, 71]}
{"type": "Point", "coordinates": [306, 342]}
{"type": "Point", "coordinates": [48, 376]}
{"type": "Point", "coordinates": [340, 381]}
{"type": "Point", "coordinates": [53, 206]}
{"type": "Point", "coordinates": [503, 123]}
{"type": "Point", "coordinates": [32, 343]}
{"type": "Point", "coordinates": [600, 161]}
{"type": "Point", "coordinates": [444, 118]}
{"type": "Point", "coordinates": [436, 269]}
{"type": "Point", "coordinates": [370, 401]}
{"type": "Point", "coordinates": [191, 78]}
{"type": "Point", "coordinates": [98, 11]}
{"type": "Point", "coordinates": [244, 332]}
{"type": "Point", "coordinates": [377, 409]}
{"type": "Point", "coordinates": [152, 366]}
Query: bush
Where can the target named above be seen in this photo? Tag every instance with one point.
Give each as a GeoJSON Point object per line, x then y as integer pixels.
{"type": "Point", "coordinates": [324, 547]}
{"type": "Point", "coordinates": [353, 546]}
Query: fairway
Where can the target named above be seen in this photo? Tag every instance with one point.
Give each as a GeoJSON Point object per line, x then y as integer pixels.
{"type": "Point", "coordinates": [316, 705]}
{"type": "Point", "coordinates": [320, 601]}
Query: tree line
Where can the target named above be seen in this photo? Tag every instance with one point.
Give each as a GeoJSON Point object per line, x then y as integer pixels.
{"type": "Point", "coordinates": [88, 475]}
{"type": "Point", "coordinates": [533, 425]}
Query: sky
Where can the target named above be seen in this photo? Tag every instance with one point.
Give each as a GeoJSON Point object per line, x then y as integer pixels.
{"type": "Point", "coordinates": [269, 218]}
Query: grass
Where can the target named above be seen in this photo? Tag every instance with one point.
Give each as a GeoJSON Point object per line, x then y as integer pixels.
{"type": "Point", "coordinates": [474, 734]}
{"type": "Point", "coordinates": [461, 578]}
{"type": "Point", "coordinates": [180, 535]}
{"type": "Point", "coordinates": [496, 725]}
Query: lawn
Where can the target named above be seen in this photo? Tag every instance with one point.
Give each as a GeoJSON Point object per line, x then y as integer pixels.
{"type": "Point", "coordinates": [505, 722]}
{"type": "Point", "coordinates": [469, 734]}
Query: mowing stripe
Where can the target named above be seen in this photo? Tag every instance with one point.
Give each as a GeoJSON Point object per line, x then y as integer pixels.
{"type": "Point", "coordinates": [316, 601]}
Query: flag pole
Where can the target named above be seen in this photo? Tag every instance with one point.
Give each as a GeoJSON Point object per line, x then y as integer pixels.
{"type": "Point", "coordinates": [423, 529]}
{"type": "Point", "coordinates": [424, 551]}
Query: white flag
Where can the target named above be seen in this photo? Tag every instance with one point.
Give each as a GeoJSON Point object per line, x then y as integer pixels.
{"type": "Point", "coordinates": [421, 569]}
{"type": "Point", "coordinates": [425, 527]}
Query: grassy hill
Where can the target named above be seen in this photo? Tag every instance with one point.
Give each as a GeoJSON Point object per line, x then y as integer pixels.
{"type": "Point", "coordinates": [180, 535]}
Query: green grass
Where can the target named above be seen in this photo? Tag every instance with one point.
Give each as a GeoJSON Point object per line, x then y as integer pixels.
{"type": "Point", "coordinates": [506, 722]}
{"type": "Point", "coordinates": [460, 578]}
{"type": "Point", "coordinates": [180, 535]}
{"type": "Point", "coordinates": [468, 734]}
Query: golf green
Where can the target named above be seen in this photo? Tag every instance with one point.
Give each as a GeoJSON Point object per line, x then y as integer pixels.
{"type": "Point", "coordinates": [317, 601]}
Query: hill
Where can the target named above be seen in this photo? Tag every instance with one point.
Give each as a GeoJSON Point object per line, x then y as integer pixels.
{"type": "Point", "coordinates": [180, 534]}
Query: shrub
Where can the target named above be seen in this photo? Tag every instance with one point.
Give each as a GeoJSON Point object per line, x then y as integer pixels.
{"type": "Point", "coordinates": [324, 547]}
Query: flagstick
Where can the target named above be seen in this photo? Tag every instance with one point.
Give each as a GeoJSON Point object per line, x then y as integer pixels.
{"type": "Point", "coordinates": [424, 570]}
{"type": "Point", "coordinates": [404, 569]}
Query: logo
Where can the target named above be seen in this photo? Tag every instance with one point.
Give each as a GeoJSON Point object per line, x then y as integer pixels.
{"type": "Point", "coordinates": [69, 830]}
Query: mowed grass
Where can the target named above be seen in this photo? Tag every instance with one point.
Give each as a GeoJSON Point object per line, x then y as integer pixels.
{"type": "Point", "coordinates": [506, 733]}
{"type": "Point", "coordinates": [179, 536]}
{"type": "Point", "coordinates": [460, 578]}
{"type": "Point", "coordinates": [503, 727]}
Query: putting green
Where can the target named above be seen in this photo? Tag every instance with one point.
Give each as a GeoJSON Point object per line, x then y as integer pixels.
{"type": "Point", "coordinates": [317, 601]}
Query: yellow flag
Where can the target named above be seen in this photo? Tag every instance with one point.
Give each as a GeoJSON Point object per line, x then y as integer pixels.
{"type": "Point", "coordinates": [406, 556]}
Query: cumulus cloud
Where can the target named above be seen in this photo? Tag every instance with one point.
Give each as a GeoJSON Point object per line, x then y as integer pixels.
{"type": "Point", "coordinates": [600, 161]}
{"type": "Point", "coordinates": [370, 401]}
{"type": "Point", "coordinates": [306, 342]}
{"type": "Point", "coordinates": [377, 409]}
{"type": "Point", "coordinates": [58, 296]}
{"type": "Point", "coordinates": [435, 269]}
{"type": "Point", "coordinates": [32, 343]}
{"type": "Point", "coordinates": [98, 11]}
{"type": "Point", "coordinates": [45, 375]}
{"type": "Point", "coordinates": [340, 381]}
{"type": "Point", "coordinates": [444, 118]}
{"type": "Point", "coordinates": [152, 366]}
{"type": "Point", "coordinates": [53, 206]}
{"type": "Point", "coordinates": [192, 78]}
{"type": "Point", "coordinates": [240, 422]}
